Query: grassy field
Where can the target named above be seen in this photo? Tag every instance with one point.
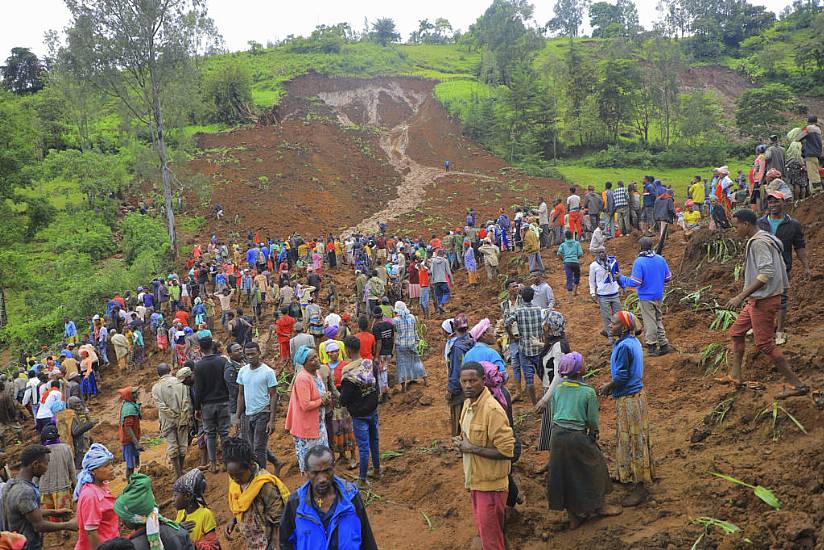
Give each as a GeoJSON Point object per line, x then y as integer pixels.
{"type": "Point", "coordinates": [680, 178]}
{"type": "Point", "coordinates": [457, 95]}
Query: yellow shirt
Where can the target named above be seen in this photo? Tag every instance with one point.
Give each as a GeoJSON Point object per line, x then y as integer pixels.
{"type": "Point", "coordinates": [692, 217]}
{"type": "Point", "coordinates": [204, 521]}
{"type": "Point", "coordinates": [697, 192]}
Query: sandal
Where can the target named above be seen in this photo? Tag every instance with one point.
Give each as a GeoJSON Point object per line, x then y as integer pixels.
{"type": "Point", "coordinates": [795, 391]}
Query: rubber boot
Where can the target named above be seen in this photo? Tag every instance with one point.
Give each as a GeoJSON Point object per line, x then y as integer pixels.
{"type": "Point", "coordinates": [530, 390]}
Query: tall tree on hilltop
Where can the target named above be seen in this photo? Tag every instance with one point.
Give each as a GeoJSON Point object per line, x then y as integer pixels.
{"type": "Point", "coordinates": [135, 50]}
{"type": "Point", "coordinates": [569, 16]}
{"type": "Point", "coordinates": [23, 72]}
{"type": "Point", "coordinates": [612, 20]}
{"type": "Point", "coordinates": [384, 31]}
{"type": "Point", "coordinates": [505, 31]}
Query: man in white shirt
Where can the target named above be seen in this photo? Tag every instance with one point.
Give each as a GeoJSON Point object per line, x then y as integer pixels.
{"type": "Point", "coordinates": [544, 297]}
{"type": "Point", "coordinates": [543, 221]}
{"type": "Point", "coordinates": [604, 287]}
{"type": "Point", "coordinates": [44, 415]}
{"type": "Point", "coordinates": [332, 319]}
{"type": "Point", "coordinates": [257, 403]}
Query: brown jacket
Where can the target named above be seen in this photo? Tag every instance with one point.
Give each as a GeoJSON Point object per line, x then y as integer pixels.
{"type": "Point", "coordinates": [489, 428]}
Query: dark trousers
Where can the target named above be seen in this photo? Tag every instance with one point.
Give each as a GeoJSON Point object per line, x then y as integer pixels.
{"type": "Point", "coordinates": [216, 420]}
{"type": "Point", "coordinates": [253, 430]}
{"type": "Point", "coordinates": [366, 434]}
{"type": "Point", "coordinates": [441, 294]}
{"type": "Point", "coordinates": [573, 275]}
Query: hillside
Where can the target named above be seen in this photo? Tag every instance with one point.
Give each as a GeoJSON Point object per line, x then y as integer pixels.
{"type": "Point", "coordinates": [698, 426]}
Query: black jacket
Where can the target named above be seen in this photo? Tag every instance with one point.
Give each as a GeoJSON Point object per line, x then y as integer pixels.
{"type": "Point", "coordinates": [210, 386]}
{"type": "Point", "coordinates": [360, 401]}
{"type": "Point", "coordinates": [791, 235]}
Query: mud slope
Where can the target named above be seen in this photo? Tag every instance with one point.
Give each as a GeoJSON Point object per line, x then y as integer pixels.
{"type": "Point", "coordinates": [347, 154]}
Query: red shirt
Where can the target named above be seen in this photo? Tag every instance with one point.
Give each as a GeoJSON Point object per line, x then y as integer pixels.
{"type": "Point", "coordinates": [423, 277]}
{"type": "Point", "coordinates": [132, 422]}
{"type": "Point", "coordinates": [95, 510]}
{"type": "Point", "coordinates": [559, 212]}
{"type": "Point", "coordinates": [284, 327]}
{"type": "Point", "coordinates": [182, 316]}
{"type": "Point", "coordinates": [436, 244]}
{"type": "Point", "coordinates": [367, 344]}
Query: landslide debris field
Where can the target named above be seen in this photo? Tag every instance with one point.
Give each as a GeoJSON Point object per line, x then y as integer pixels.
{"type": "Point", "coordinates": [348, 153]}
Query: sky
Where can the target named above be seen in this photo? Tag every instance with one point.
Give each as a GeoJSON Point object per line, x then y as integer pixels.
{"type": "Point", "coordinates": [239, 21]}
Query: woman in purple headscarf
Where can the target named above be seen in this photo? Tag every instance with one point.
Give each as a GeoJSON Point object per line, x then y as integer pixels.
{"type": "Point", "coordinates": [578, 479]}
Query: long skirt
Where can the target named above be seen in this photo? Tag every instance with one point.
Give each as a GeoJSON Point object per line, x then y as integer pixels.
{"type": "Point", "coordinates": [343, 434]}
{"type": "Point", "coordinates": [410, 366]}
{"type": "Point", "coordinates": [633, 452]}
{"type": "Point", "coordinates": [302, 444]}
{"type": "Point", "coordinates": [414, 291]}
{"type": "Point", "coordinates": [545, 435]}
{"type": "Point", "coordinates": [578, 478]}
{"type": "Point", "coordinates": [88, 385]}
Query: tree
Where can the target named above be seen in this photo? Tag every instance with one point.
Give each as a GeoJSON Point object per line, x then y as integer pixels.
{"type": "Point", "coordinates": [609, 21]}
{"type": "Point", "coordinates": [569, 15]}
{"type": "Point", "coordinates": [618, 82]}
{"type": "Point", "coordinates": [23, 72]}
{"type": "Point", "coordinates": [229, 90]}
{"type": "Point", "coordinates": [700, 116]}
{"type": "Point", "coordinates": [439, 32]}
{"type": "Point", "coordinates": [759, 110]}
{"type": "Point", "coordinates": [136, 49]}
{"type": "Point", "coordinates": [384, 32]}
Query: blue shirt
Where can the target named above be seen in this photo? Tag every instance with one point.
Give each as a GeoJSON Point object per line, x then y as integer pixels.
{"type": "Point", "coordinates": [482, 352]}
{"type": "Point", "coordinates": [69, 329]}
{"type": "Point", "coordinates": [627, 366]}
{"type": "Point", "coordinates": [256, 384]}
{"type": "Point", "coordinates": [649, 273]}
{"type": "Point", "coordinates": [570, 250]}
{"type": "Point", "coordinates": [773, 224]}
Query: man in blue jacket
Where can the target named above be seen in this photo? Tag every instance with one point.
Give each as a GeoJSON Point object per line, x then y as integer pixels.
{"type": "Point", "coordinates": [649, 274]}
{"type": "Point", "coordinates": [326, 512]}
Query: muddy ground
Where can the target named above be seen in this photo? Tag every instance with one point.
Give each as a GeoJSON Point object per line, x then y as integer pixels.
{"type": "Point", "coordinates": [353, 152]}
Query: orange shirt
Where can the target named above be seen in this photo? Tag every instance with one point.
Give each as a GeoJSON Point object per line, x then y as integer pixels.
{"type": "Point", "coordinates": [284, 327]}
{"type": "Point", "coordinates": [559, 212]}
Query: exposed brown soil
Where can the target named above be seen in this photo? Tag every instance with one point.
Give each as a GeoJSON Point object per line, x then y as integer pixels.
{"type": "Point", "coordinates": [426, 481]}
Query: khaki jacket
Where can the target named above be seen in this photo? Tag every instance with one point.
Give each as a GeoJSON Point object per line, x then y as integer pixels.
{"type": "Point", "coordinates": [489, 428]}
{"type": "Point", "coordinates": [174, 407]}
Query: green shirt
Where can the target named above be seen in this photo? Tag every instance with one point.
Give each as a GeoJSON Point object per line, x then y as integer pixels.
{"type": "Point", "coordinates": [575, 406]}
{"type": "Point", "coordinates": [570, 250]}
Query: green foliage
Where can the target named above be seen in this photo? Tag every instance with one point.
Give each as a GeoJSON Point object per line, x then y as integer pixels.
{"type": "Point", "coordinates": [228, 90]}
{"type": "Point", "coordinates": [17, 144]}
{"type": "Point", "coordinates": [759, 110]}
{"type": "Point", "coordinates": [79, 233]}
{"type": "Point", "coordinates": [23, 72]}
{"type": "Point", "coordinates": [143, 234]}
{"type": "Point", "coordinates": [384, 32]}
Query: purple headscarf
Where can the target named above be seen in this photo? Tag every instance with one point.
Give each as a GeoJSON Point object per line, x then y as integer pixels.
{"type": "Point", "coordinates": [494, 380]}
{"type": "Point", "coordinates": [570, 364]}
{"type": "Point", "coordinates": [330, 332]}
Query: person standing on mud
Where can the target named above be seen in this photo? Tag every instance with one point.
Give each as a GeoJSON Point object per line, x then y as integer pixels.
{"type": "Point", "coordinates": [441, 275]}
{"type": "Point", "coordinates": [487, 444]}
{"type": "Point", "coordinates": [765, 279]}
{"type": "Point", "coordinates": [650, 273]}
{"type": "Point", "coordinates": [633, 452]}
{"type": "Point", "coordinates": [791, 235]}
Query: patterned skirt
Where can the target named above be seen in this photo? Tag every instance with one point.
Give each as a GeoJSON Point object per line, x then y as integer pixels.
{"type": "Point", "coordinates": [414, 291]}
{"type": "Point", "coordinates": [633, 452]}
{"type": "Point", "coordinates": [302, 444]}
{"type": "Point", "coordinates": [88, 385]}
{"type": "Point", "coordinates": [343, 434]}
{"type": "Point", "coordinates": [410, 366]}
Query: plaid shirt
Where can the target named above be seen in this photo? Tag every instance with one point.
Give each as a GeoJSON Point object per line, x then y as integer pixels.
{"type": "Point", "coordinates": [405, 335]}
{"type": "Point", "coordinates": [530, 325]}
{"type": "Point", "coordinates": [621, 197]}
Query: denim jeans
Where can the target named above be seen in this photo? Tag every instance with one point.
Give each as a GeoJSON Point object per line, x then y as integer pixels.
{"type": "Point", "coordinates": [253, 430]}
{"type": "Point", "coordinates": [366, 434]}
{"type": "Point", "coordinates": [515, 358]}
{"type": "Point", "coordinates": [216, 420]}
{"type": "Point", "coordinates": [425, 299]}
{"type": "Point", "coordinates": [530, 365]}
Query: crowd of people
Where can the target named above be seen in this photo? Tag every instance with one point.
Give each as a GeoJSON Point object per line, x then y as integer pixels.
{"type": "Point", "coordinates": [339, 354]}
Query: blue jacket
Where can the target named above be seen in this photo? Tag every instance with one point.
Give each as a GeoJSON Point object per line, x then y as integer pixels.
{"type": "Point", "coordinates": [570, 250]}
{"type": "Point", "coordinates": [482, 352]}
{"type": "Point", "coordinates": [460, 346]}
{"type": "Point", "coordinates": [649, 273]}
{"type": "Point", "coordinates": [627, 366]}
{"type": "Point", "coordinates": [302, 529]}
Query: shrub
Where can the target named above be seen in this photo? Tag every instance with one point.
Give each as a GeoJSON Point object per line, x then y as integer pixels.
{"type": "Point", "coordinates": [228, 89]}
{"type": "Point", "coordinates": [143, 233]}
{"type": "Point", "coordinates": [80, 233]}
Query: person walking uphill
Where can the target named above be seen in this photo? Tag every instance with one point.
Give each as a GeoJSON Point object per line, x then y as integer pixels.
{"type": "Point", "coordinates": [211, 398]}
{"type": "Point", "coordinates": [409, 364]}
{"type": "Point", "coordinates": [529, 320]}
{"type": "Point", "coordinates": [129, 431]}
{"type": "Point", "coordinates": [765, 279]}
{"type": "Point", "coordinates": [570, 252]}
{"type": "Point", "coordinates": [487, 444]}
{"type": "Point", "coordinates": [650, 273]}
{"type": "Point", "coordinates": [440, 279]}
{"type": "Point", "coordinates": [174, 409]}
{"type": "Point", "coordinates": [633, 452]}
{"type": "Point", "coordinates": [326, 511]}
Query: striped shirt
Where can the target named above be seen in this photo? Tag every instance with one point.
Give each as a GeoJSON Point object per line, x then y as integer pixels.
{"type": "Point", "coordinates": [621, 197]}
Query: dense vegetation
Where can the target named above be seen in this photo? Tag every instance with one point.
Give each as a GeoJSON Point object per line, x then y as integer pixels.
{"type": "Point", "coordinates": [97, 125]}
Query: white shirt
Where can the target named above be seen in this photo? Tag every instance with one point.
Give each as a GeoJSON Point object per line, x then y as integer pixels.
{"type": "Point", "coordinates": [544, 298]}
{"type": "Point", "coordinates": [601, 281]}
{"type": "Point", "coordinates": [573, 203]}
{"type": "Point", "coordinates": [332, 320]}
{"type": "Point", "coordinates": [543, 216]}
{"type": "Point", "coordinates": [45, 409]}
{"type": "Point", "coordinates": [30, 396]}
